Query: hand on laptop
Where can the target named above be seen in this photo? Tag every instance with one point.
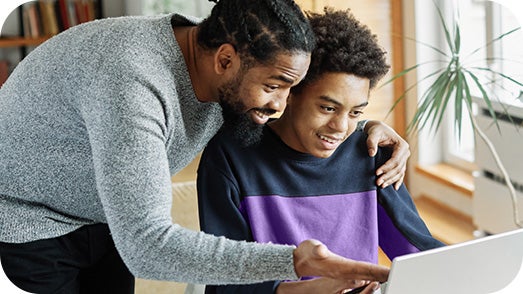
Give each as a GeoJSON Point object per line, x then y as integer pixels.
{"type": "Point", "coordinates": [327, 286]}
{"type": "Point", "coordinates": [313, 258]}
{"type": "Point", "coordinates": [366, 289]}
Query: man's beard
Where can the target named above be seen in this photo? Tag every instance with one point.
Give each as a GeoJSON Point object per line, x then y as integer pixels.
{"type": "Point", "coordinates": [236, 121]}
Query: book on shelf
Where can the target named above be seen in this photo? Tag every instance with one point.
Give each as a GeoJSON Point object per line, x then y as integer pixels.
{"type": "Point", "coordinates": [32, 26]}
{"type": "Point", "coordinates": [63, 8]}
{"type": "Point", "coordinates": [4, 71]}
{"type": "Point", "coordinates": [49, 17]}
{"type": "Point", "coordinates": [25, 22]}
{"type": "Point", "coordinates": [85, 10]}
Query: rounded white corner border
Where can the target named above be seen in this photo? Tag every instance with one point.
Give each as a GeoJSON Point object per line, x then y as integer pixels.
{"type": "Point", "coordinates": [6, 287]}
{"type": "Point", "coordinates": [6, 7]}
{"type": "Point", "coordinates": [516, 6]}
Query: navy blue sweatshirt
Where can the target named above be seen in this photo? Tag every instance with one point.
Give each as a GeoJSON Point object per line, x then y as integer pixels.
{"type": "Point", "coordinates": [272, 193]}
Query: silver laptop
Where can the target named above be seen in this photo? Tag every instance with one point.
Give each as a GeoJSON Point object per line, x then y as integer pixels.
{"type": "Point", "coordinates": [490, 264]}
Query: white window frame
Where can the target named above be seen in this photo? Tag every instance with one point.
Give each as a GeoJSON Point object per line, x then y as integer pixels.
{"type": "Point", "coordinates": [451, 152]}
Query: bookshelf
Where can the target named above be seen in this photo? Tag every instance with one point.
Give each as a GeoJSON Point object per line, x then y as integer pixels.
{"type": "Point", "coordinates": [6, 42]}
{"type": "Point", "coordinates": [38, 21]}
{"type": "Point", "coordinates": [41, 19]}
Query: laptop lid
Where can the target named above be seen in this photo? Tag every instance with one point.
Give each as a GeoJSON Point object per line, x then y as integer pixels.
{"type": "Point", "coordinates": [486, 265]}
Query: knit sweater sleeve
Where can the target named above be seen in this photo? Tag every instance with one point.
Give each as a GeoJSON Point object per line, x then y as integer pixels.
{"type": "Point", "coordinates": [127, 124]}
{"type": "Point", "coordinates": [219, 206]}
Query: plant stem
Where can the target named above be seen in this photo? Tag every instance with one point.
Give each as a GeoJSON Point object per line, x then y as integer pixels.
{"type": "Point", "coordinates": [501, 167]}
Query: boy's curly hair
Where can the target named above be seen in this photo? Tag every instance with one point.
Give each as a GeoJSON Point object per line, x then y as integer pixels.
{"type": "Point", "coordinates": [343, 44]}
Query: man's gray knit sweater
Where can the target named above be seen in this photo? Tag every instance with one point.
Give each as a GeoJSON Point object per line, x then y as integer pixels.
{"type": "Point", "coordinates": [93, 123]}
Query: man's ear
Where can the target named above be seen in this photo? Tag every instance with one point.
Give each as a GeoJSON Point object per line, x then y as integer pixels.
{"type": "Point", "coordinates": [226, 59]}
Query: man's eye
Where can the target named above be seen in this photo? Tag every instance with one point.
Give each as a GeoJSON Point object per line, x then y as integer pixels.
{"type": "Point", "coordinates": [272, 87]}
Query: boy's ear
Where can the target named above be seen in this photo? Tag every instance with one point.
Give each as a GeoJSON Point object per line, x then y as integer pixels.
{"type": "Point", "coordinates": [226, 59]}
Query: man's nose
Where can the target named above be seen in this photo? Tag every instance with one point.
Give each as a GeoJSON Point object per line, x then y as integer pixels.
{"type": "Point", "coordinates": [280, 101]}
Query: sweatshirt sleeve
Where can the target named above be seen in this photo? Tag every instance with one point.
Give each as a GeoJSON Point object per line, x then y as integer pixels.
{"type": "Point", "coordinates": [401, 229]}
{"type": "Point", "coordinates": [219, 211]}
{"type": "Point", "coordinates": [127, 129]}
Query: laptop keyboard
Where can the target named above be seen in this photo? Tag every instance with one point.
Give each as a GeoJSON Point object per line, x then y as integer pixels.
{"type": "Point", "coordinates": [382, 289]}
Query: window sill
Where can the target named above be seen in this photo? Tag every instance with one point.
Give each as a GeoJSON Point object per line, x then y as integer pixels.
{"type": "Point", "coordinates": [450, 176]}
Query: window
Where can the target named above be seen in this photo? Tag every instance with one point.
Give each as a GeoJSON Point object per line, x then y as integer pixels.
{"type": "Point", "coordinates": [480, 21]}
{"type": "Point", "coordinates": [511, 49]}
{"type": "Point", "coordinates": [458, 149]}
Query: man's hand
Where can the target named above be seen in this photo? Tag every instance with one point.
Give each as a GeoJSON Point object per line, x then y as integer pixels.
{"type": "Point", "coordinates": [312, 258]}
{"type": "Point", "coordinates": [393, 171]}
{"type": "Point", "coordinates": [326, 286]}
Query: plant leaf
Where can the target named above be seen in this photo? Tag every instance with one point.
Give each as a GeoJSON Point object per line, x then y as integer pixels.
{"type": "Point", "coordinates": [485, 97]}
{"type": "Point", "coordinates": [500, 74]}
{"type": "Point", "coordinates": [457, 39]}
{"type": "Point", "coordinates": [429, 46]}
{"type": "Point", "coordinates": [404, 72]}
{"type": "Point", "coordinates": [445, 29]}
{"type": "Point", "coordinates": [494, 40]}
{"type": "Point", "coordinates": [430, 109]}
{"type": "Point", "coordinates": [462, 97]}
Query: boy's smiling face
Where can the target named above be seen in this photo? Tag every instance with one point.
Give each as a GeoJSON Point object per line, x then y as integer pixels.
{"type": "Point", "coordinates": [324, 114]}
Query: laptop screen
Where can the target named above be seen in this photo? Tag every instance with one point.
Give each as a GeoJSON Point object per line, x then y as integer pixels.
{"type": "Point", "coordinates": [486, 265]}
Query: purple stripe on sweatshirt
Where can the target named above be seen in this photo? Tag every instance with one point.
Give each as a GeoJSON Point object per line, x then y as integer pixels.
{"type": "Point", "coordinates": [391, 240]}
{"type": "Point", "coordinates": [346, 223]}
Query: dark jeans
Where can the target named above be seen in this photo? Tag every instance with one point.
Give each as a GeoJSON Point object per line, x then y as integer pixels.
{"type": "Point", "coordinates": [83, 261]}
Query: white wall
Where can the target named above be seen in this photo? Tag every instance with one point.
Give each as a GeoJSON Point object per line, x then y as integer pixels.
{"type": "Point", "coordinates": [199, 8]}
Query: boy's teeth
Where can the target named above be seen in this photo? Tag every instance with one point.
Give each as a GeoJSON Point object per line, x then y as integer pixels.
{"type": "Point", "coordinates": [327, 139]}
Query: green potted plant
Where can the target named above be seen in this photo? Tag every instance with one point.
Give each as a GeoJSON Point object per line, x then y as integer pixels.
{"type": "Point", "coordinates": [453, 83]}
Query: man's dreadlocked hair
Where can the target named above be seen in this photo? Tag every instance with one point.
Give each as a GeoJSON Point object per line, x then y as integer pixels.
{"type": "Point", "coordinates": [257, 28]}
{"type": "Point", "coordinates": [344, 45]}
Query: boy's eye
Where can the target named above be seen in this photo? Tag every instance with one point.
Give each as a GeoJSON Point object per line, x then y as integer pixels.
{"type": "Point", "coordinates": [328, 108]}
{"type": "Point", "coordinates": [356, 113]}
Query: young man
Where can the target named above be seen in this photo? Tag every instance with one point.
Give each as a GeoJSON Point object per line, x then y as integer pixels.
{"type": "Point", "coordinates": [94, 122]}
{"type": "Point", "coordinates": [310, 176]}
